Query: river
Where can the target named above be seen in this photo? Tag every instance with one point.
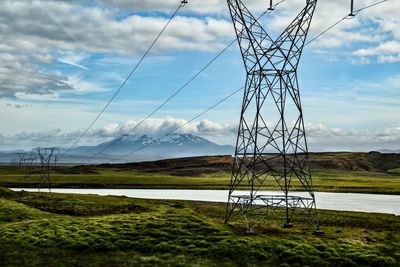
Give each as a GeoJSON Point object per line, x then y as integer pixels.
{"type": "Point", "coordinates": [330, 201]}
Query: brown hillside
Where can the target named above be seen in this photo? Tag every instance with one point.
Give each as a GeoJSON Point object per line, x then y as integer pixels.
{"type": "Point", "coordinates": [373, 161]}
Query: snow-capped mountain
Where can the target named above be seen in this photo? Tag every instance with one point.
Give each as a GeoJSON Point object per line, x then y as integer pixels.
{"type": "Point", "coordinates": [147, 147]}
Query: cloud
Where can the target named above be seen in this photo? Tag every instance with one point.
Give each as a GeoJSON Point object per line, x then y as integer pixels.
{"type": "Point", "coordinates": [73, 27]}
{"type": "Point", "coordinates": [73, 59]}
{"type": "Point", "coordinates": [387, 52]}
{"type": "Point", "coordinates": [18, 76]}
{"type": "Point", "coordinates": [81, 86]}
{"type": "Point", "coordinates": [155, 127]}
{"type": "Point", "coordinates": [159, 127]}
{"type": "Point", "coordinates": [201, 7]}
{"type": "Point", "coordinates": [320, 136]}
{"type": "Point", "coordinates": [124, 27]}
{"type": "Point", "coordinates": [370, 33]}
{"type": "Point", "coordinates": [373, 35]}
{"type": "Point", "coordinates": [324, 138]}
{"type": "Point", "coordinates": [72, 31]}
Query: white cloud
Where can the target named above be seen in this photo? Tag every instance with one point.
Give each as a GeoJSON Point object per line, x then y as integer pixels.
{"type": "Point", "coordinates": [389, 58]}
{"type": "Point", "coordinates": [18, 76]}
{"type": "Point", "coordinates": [46, 25]}
{"type": "Point", "coordinates": [73, 59]}
{"type": "Point", "coordinates": [159, 127]}
{"type": "Point", "coordinates": [371, 32]}
{"type": "Point", "coordinates": [69, 25]}
{"type": "Point", "coordinates": [155, 127]}
{"type": "Point", "coordinates": [324, 138]}
{"type": "Point", "coordinates": [71, 30]}
{"type": "Point", "coordinates": [320, 136]}
{"type": "Point", "coordinates": [82, 86]}
{"type": "Point", "coordinates": [200, 7]}
{"type": "Point", "coordinates": [390, 47]}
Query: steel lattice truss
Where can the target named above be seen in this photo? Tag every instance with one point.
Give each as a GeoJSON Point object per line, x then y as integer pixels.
{"type": "Point", "coordinates": [27, 161]}
{"type": "Point", "coordinates": [271, 149]}
{"type": "Point", "coordinates": [48, 160]}
{"type": "Point", "coordinates": [21, 157]}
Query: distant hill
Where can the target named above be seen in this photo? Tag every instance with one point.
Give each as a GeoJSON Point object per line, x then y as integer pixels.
{"type": "Point", "coordinates": [355, 161]}
{"type": "Point", "coordinates": [194, 166]}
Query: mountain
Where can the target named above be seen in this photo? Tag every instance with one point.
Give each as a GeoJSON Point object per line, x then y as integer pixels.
{"type": "Point", "coordinates": [147, 147]}
{"type": "Point", "coordinates": [138, 148]}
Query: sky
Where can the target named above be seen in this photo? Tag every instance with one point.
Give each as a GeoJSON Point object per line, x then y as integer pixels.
{"type": "Point", "coordinates": [61, 61]}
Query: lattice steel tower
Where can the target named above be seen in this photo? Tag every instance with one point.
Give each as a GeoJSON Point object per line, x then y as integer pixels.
{"type": "Point", "coordinates": [48, 161]}
{"type": "Point", "coordinates": [271, 149]}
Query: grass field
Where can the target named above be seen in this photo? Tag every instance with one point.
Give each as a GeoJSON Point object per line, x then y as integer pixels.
{"type": "Point", "coordinates": [101, 177]}
{"type": "Point", "coordinates": [39, 229]}
{"type": "Point", "coordinates": [394, 171]}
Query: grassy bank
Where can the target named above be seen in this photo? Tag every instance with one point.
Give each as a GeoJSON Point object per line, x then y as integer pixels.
{"type": "Point", "coordinates": [39, 229]}
{"type": "Point", "coordinates": [116, 177]}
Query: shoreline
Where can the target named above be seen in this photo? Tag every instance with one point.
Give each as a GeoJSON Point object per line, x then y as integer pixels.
{"type": "Point", "coordinates": [186, 187]}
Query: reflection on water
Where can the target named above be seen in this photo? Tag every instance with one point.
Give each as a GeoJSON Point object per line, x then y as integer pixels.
{"type": "Point", "coordinates": [330, 201]}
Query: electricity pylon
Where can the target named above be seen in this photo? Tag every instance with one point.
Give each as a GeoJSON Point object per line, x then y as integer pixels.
{"type": "Point", "coordinates": [21, 157]}
{"type": "Point", "coordinates": [48, 159]}
{"type": "Point", "coordinates": [30, 164]}
{"type": "Point", "coordinates": [271, 148]}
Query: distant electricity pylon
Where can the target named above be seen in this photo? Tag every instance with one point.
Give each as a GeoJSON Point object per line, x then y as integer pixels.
{"type": "Point", "coordinates": [21, 157]}
{"type": "Point", "coordinates": [48, 161]}
{"type": "Point", "coordinates": [28, 161]}
{"type": "Point", "coordinates": [271, 148]}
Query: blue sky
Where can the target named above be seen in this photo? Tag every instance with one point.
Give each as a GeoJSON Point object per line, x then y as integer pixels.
{"type": "Point", "coordinates": [62, 60]}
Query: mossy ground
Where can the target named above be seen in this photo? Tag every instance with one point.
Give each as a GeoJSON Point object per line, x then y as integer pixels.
{"type": "Point", "coordinates": [39, 229]}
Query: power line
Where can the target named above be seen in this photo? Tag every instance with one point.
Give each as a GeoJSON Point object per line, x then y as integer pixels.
{"type": "Point", "coordinates": [345, 17]}
{"type": "Point", "coordinates": [164, 103]}
{"type": "Point", "coordinates": [369, 6]}
{"type": "Point", "coordinates": [205, 67]}
{"type": "Point", "coordinates": [326, 30]}
{"type": "Point", "coordinates": [183, 125]}
{"type": "Point", "coordinates": [226, 98]}
{"type": "Point", "coordinates": [115, 141]}
{"type": "Point", "coordinates": [125, 81]}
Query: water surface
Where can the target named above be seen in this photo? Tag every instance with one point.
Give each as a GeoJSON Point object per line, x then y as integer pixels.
{"type": "Point", "coordinates": [329, 201]}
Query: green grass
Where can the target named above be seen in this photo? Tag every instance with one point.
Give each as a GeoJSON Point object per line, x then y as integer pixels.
{"type": "Point", "coordinates": [356, 181]}
{"type": "Point", "coordinates": [11, 211]}
{"type": "Point", "coordinates": [394, 171]}
{"type": "Point", "coordinates": [117, 178]}
{"type": "Point", "coordinates": [324, 180]}
{"type": "Point", "coordinates": [89, 230]}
